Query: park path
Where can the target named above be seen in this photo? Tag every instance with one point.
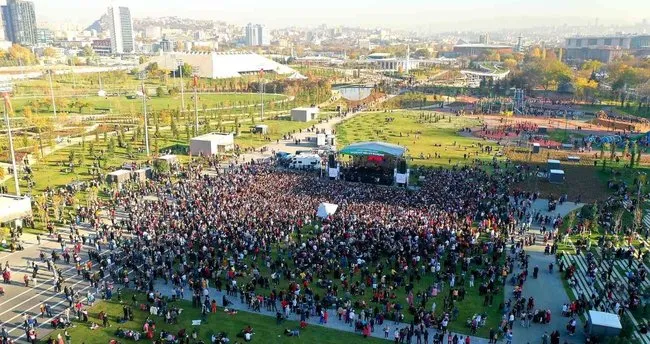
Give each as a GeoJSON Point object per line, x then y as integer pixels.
{"type": "Point", "coordinates": [333, 322]}
{"type": "Point", "coordinates": [547, 290]}
{"type": "Point", "coordinates": [549, 293]}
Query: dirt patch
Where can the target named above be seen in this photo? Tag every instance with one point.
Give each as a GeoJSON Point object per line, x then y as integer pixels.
{"type": "Point", "coordinates": [580, 181]}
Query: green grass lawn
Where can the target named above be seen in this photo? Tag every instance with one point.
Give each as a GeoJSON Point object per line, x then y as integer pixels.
{"type": "Point", "coordinates": [276, 129]}
{"type": "Point", "coordinates": [120, 104]}
{"type": "Point", "coordinates": [440, 137]}
{"type": "Point", "coordinates": [265, 328]}
{"type": "Point", "coordinates": [560, 135]}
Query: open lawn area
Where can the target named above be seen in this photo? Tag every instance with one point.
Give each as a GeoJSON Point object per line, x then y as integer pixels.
{"type": "Point", "coordinates": [422, 136]}
{"type": "Point", "coordinates": [119, 104]}
{"type": "Point", "coordinates": [265, 328]}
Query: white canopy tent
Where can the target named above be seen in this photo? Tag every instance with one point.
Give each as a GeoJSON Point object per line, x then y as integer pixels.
{"type": "Point", "coordinates": [326, 209]}
{"type": "Point", "coordinates": [14, 208]}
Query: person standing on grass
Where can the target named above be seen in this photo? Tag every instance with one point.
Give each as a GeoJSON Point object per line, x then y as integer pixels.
{"type": "Point", "coordinates": [68, 338]}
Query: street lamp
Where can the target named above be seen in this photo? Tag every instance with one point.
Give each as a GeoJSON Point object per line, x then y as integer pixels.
{"type": "Point", "coordinates": [195, 77]}
{"type": "Point", "coordinates": [262, 94]}
{"type": "Point", "coordinates": [49, 74]}
{"type": "Point", "coordinates": [179, 62]}
{"type": "Point", "coordinates": [143, 76]}
{"type": "Point", "coordinates": [5, 89]}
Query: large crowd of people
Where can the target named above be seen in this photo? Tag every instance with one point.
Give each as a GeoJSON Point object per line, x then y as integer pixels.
{"type": "Point", "coordinates": [387, 254]}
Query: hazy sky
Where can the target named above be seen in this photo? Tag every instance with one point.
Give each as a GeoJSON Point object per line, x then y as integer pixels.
{"type": "Point", "coordinates": [410, 14]}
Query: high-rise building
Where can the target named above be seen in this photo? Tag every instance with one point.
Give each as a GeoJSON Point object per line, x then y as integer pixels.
{"type": "Point", "coordinates": [257, 35]}
{"type": "Point", "coordinates": [44, 36]}
{"type": "Point", "coordinates": [19, 20]}
{"type": "Point", "coordinates": [251, 35]}
{"type": "Point", "coordinates": [166, 45]}
{"type": "Point", "coordinates": [484, 38]}
{"type": "Point", "coordinates": [121, 27]}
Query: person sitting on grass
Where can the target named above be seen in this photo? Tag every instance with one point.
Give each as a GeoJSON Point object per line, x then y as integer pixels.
{"type": "Point", "coordinates": [292, 333]}
{"type": "Point", "coordinates": [220, 338]}
{"type": "Point", "coordinates": [246, 333]}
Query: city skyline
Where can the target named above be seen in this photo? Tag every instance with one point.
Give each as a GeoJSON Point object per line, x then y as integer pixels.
{"type": "Point", "coordinates": [409, 14]}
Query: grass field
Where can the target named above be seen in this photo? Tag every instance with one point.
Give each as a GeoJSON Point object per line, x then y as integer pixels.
{"type": "Point", "coordinates": [265, 328]}
{"type": "Point", "coordinates": [421, 137]}
{"type": "Point", "coordinates": [119, 104]}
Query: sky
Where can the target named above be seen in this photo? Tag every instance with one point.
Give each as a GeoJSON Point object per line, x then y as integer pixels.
{"type": "Point", "coordinates": [396, 14]}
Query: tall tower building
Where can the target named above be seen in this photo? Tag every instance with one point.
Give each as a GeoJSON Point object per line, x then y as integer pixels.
{"type": "Point", "coordinates": [19, 21]}
{"type": "Point", "coordinates": [257, 35]}
{"type": "Point", "coordinates": [252, 35]}
{"type": "Point", "coordinates": [121, 27]}
{"type": "Point", "coordinates": [263, 36]}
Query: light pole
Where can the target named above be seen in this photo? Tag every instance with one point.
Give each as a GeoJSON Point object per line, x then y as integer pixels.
{"type": "Point", "coordinates": [143, 75]}
{"type": "Point", "coordinates": [5, 89]}
{"type": "Point", "coordinates": [196, 101]}
{"type": "Point", "coordinates": [262, 94]}
{"type": "Point", "coordinates": [49, 74]}
{"type": "Point", "coordinates": [180, 68]}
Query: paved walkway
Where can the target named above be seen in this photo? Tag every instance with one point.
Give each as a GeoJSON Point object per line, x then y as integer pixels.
{"type": "Point", "coordinates": [333, 323]}
{"type": "Point", "coordinates": [549, 293]}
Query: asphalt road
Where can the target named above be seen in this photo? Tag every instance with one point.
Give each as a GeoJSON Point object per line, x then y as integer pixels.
{"type": "Point", "coordinates": [19, 300]}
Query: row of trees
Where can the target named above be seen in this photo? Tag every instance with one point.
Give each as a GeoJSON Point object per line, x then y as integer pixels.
{"type": "Point", "coordinates": [17, 55]}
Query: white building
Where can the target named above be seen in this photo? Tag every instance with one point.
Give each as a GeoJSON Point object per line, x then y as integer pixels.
{"type": "Point", "coordinates": [304, 114]}
{"type": "Point", "coordinates": [121, 28]}
{"type": "Point", "coordinates": [222, 65]}
{"type": "Point", "coordinates": [213, 143]}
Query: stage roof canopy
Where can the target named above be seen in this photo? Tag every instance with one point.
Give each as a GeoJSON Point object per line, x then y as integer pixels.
{"type": "Point", "coordinates": [374, 148]}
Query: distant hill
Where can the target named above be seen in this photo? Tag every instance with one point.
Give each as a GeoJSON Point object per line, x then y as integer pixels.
{"type": "Point", "coordinates": [99, 25]}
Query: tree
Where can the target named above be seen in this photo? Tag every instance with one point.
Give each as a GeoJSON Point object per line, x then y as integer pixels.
{"type": "Point", "coordinates": [110, 149]}
{"type": "Point", "coordinates": [585, 88]}
{"type": "Point", "coordinates": [91, 149]}
{"type": "Point", "coordinates": [594, 217]}
{"type": "Point", "coordinates": [510, 64]}
{"type": "Point", "coordinates": [22, 55]}
{"type": "Point", "coordinates": [612, 151]}
{"type": "Point", "coordinates": [71, 158]}
{"type": "Point", "coordinates": [186, 69]}
{"type": "Point", "coordinates": [206, 126]}
{"type": "Point", "coordinates": [49, 52]}
{"type": "Point", "coordinates": [87, 51]}
{"type": "Point", "coordinates": [160, 92]}
{"type": "Point", "coordinates": [161, 166]}
{"type": "Point", "coordinates": [422, 54]}
{"type": "Point", "coordinates": [554, 72]}
{"type": "Point", "coordinates": [42, 208]}
{"type": "Point", "coordinates": [129, 149]}
{"type": "Point", "coordinates": [174, 128]}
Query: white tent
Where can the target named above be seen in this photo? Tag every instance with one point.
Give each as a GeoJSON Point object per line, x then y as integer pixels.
{"type": "Point", "coordinates": [326, 209]}
{"type": "Point", "coordinates": [297, 76]}
{"type": "Point", "coordinates": [14, 208]}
